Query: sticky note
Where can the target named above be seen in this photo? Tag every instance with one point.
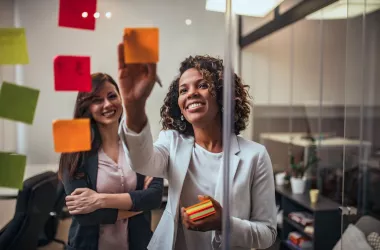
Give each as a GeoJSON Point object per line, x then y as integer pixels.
{"type": "Point", "coordinates": [72, 135]}
{"type": "Point", "coordinates": [12, 168]}
{"type": "Point", "coordinates": [141, 45]}
{"type": "Point", "coordinates": [18, 102]}
{"type": "Point", "coordinates": [13, 48]}
{"type": "Point", "coordinates": [77, 14]}
{"type": "Point", "coordinates": [200, 210]}
{"type": "Point", "coordinates": [72, 73]}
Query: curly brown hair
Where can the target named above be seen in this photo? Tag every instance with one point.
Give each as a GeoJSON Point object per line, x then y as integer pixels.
{"type": "Point", "coordinates": [212, 71]}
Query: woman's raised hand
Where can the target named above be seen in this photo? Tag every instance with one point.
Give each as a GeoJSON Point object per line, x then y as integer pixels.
{"type": "Point", "coordinates": [136, 80]}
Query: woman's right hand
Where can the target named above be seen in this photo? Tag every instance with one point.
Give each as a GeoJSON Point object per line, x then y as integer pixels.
{"type": "Point", "coordinates": [136, 81]}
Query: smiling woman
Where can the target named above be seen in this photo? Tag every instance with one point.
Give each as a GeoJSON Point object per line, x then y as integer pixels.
{"type": "Point", "coordinates": [110, 203]}
{"type": "Point", "coordinates": [206, 74]}
{"type": "Point", "coordinates": [189, 154]}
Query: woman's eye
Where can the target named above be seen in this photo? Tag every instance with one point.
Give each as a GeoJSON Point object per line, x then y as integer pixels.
{"type": "Point", "coordinates": [182, 91]}
{"type": "Point", "coordinates": [96, 100]}
{"type": "Point", "coordinates": [113, 96]}
{"type": "Point", "coordinates": [203, 85]}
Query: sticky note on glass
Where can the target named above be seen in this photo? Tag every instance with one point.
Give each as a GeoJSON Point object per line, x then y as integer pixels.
{"type": "Point", "coordinates": [141, 45]}
{"type": "Point", "coordinates": [13, 48]}
{"type": "Point", "coordinates": [200, 210]}
{"type": "Point", "coordinates": [72, 135]}
{"type": "Point", "coordinates": [77, 14]}
{"type": "Point", "coordinates": [72, 73]}
{"type": "Point", "coordinates": [12, 168]}
{"type": "Point", "coordinates": [18, 103]}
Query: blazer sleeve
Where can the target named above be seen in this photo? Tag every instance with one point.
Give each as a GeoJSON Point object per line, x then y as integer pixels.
{"type": "Point", "coordinates": [146, 158]}
{"type": "Point", "coordinates": [260, 231]}
{"type": "Point", "coordinates": [100, 216]}
{"type": "Point", "coordinates": [151, 198]}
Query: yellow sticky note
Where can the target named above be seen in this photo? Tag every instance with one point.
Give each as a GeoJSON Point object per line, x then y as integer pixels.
{"type": "Point", "coordinates": [13, 48]}
{"type": "Point", "coordinates": [72, 135]}
{"type": "Point", "coordinates": [141, 45]}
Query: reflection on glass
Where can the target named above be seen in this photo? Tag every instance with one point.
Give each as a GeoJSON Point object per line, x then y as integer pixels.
{"type": "Point", "coordinates": [316, 91]}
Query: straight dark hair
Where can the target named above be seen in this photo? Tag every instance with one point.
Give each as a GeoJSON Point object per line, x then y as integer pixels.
{"type": "Point", "coordinates": [71, 161]}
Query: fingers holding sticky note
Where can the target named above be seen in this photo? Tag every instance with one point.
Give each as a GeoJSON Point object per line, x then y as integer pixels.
{"type": "Point", "coordinates": [72, 73]}
{"type": "Point", "coordinates": [200, 210]}
{"type": "Point", "coordinates": [72, 135]}
{"type": "Point", "coordinates": [12, 168]}
{"type": "Point", "coordinates": [18, 103]}
{"type": "Point", "coordinates": [141, 45]}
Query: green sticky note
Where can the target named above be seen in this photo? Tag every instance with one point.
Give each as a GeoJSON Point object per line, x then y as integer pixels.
{"type": "Point", "coordinates": [13, 48]}
{"type": "Point", "coordinates": [12, 168]}
{"type": "Point", "coordinates": [18, 103]}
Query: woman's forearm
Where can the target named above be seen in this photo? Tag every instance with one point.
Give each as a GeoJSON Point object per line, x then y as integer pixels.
{"type": "Point", "coordinates": [135, 116]}
{"type": "Point", "coordinates": [121, 201]}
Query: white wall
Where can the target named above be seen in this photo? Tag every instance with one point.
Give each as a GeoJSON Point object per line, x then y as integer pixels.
{"type": "Point", "coordinates": [46, 40]}
{"type": "Point", "coordinates": [275, 81]}
{"type": "Point", "coordinates": [7, 73]}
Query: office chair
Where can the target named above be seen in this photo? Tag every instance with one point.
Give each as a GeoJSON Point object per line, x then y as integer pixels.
{"type": "Point", "coordinates": [34, 204]}
{"type": "Point", "coordinates": [51, 226]}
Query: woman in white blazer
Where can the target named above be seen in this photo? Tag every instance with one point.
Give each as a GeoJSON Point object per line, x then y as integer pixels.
{"type": "Point", "coordinates": [189, 153]}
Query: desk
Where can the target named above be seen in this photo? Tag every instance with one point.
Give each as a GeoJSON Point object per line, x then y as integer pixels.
{"type": "Point", "coordinates": [298, 139]}
{"type": "Point", "coordinates": [30, 171]}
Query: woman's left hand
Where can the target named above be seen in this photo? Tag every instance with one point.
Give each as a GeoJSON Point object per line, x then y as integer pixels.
{"type": "Point", "coordinates": [212, 222]}
{"type": "Point", "coordinates": [82, 201]}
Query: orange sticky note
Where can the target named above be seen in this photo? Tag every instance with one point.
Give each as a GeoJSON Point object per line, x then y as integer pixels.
{"type": "Point", "coordinates": [72, 135]}
{"type": "Point", "coordinates": [141, 45]}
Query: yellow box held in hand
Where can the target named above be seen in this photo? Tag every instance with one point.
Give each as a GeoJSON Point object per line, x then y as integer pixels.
{"type": "Point", "coordinates": [200, 210]}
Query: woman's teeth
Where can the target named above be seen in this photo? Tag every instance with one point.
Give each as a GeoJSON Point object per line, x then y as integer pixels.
{"type": "Point", "coordinates": [194, 105]}
{"type": "Point", "coordinates": [109, 113]}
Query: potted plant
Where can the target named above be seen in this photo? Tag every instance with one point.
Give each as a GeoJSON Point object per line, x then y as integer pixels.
{"type": "Point", "coordinates": [298, 171]}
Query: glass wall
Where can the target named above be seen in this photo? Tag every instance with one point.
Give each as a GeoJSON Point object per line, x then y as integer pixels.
{"type": "Point", "coordinates": [316, 91]}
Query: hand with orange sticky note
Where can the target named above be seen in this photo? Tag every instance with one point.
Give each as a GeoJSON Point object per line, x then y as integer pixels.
{"type": "Point", "coordinates": [72, 135]}
{"type": "Point", "coordinates": [137, 57]}
{"type": "Point", "coordinates": [204, 216]}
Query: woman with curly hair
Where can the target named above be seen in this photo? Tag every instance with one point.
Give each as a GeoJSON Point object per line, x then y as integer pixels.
{"type": "Point", "coordinates": [189, 154]}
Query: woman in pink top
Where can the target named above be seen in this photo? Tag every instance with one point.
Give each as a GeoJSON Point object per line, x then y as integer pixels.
{"type": "Point", "coordinates": [110, 203]}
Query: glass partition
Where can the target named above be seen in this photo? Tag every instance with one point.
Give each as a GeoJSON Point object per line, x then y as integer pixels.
{"type": "Point", "coordinates": [316, 89]}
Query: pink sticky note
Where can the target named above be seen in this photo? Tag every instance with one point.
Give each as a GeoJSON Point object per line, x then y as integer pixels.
{"type": "Point", "coordinates": [77, 14]}
{"type": "Point", "coordinates": [72, 73]}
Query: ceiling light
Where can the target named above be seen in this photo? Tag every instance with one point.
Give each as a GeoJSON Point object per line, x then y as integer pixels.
{"type": "Point", "coordinates": [96, 15]}
{"type": "Point", "coordinates": [257, 8]}
{"type": "Point", "coordinates": [188, 21]}
{"type": "Point", "coordinates": [84, 14]}
{"type": "Point", "coordinates": [108, 15]}
{"type": "Point", "coordinates": [346, 9]}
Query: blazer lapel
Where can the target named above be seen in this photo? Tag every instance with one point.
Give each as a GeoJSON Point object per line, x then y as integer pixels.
{"type": "Point", "coordinates": [234, 163]}
{"type": "Point", "coordinates": [182, 162]}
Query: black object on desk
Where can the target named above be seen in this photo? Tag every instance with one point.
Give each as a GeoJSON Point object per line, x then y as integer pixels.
{"type": "Point", "coordinates": [34, 203]}
{"type": "Point", "coordinates": [326, 214]}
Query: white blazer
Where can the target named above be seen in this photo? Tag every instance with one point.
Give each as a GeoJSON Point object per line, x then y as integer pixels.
{"type": "Point", "coordinates": [253, 208]}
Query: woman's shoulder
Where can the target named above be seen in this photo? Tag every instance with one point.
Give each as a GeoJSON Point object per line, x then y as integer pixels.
{"type": "Point", "coordinates": [251, 147]}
